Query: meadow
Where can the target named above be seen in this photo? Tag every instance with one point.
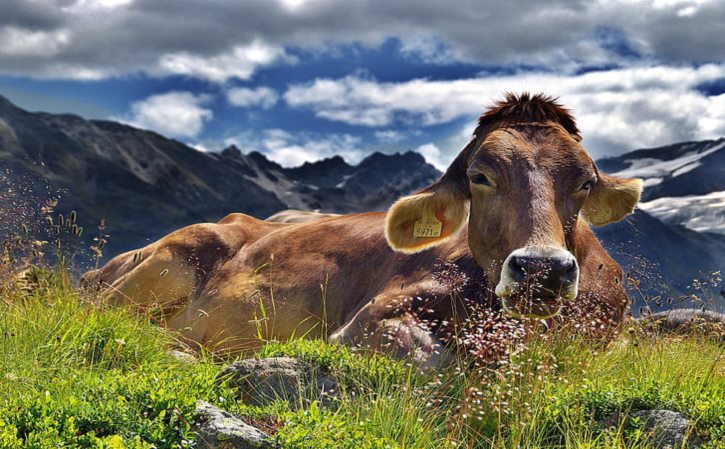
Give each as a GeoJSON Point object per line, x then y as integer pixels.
{"type": "Point", "coordinates": [75, 372]}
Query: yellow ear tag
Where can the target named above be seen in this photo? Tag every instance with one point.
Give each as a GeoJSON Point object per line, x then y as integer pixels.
{"type": "Point", "coordinates": [428, 226]}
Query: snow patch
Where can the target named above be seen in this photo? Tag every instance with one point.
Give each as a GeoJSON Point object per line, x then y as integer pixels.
{"type": "Point", "coordinates": [649, 168]}
{"type": "Point", "coordinates": [649, 182]}
{"type": "Point", "coordinates": [702, 213]}
{"type": "Point", "coordinates": [341, 184]}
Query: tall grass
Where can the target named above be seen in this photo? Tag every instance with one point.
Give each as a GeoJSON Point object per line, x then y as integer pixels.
{"type": "Point", "coordinates": [77, 373]}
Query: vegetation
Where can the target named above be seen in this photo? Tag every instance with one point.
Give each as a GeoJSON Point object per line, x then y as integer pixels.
{"type": "Point", "coordinates": [76, 373]}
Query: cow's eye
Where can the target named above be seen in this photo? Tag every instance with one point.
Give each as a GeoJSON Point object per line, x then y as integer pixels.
{"type": "Point", "coordinates": [480, 178]}
{"type": "Point", "coordinates": [587, 186]}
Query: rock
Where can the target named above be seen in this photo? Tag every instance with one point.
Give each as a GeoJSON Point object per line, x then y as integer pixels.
{"type": "Point", "coordinates": [668, 429]}
{"type": "Point", "coordinates": [219, 429]}
{"type": "Point", "coordinates": [262, 381]}
{"type": "Point", "coordinates": [707, 322]}
{"type": "Point", "coordinates": [182, 356]}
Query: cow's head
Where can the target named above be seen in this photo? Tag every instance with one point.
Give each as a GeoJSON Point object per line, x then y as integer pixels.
{"type": "Point", "coordinates": [522, 184]}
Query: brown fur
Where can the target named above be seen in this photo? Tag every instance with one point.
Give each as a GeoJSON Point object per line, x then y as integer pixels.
{"type": "Point", "coordinates": [297, 216]}
{"type": "Point", "coordinates": [353, 278]}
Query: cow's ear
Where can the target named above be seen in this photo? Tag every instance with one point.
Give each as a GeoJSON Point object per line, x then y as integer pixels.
{"type": "Point", "coordinates": [426, 219]}
{"type": "Point", "coordinates": [611, 199]}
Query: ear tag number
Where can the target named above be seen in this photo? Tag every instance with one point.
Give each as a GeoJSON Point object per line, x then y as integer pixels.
{"type": "Point", "coordinates": [428, 226]}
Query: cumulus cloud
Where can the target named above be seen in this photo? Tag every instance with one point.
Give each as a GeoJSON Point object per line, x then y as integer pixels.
{"type": "Point", "coordinates": [174, 114]}
{"type": "Point", "coordinates": [432, 154]}
{"type": "Point", "coordinates": [263, 97]}
{"type": "Point", "coordinates": [240, 62]}
{"type": "Point", "coordinates": [617, 109]}
{"type": "Point", "coordinates": [229, 39]}
{"type": "Point", "coordinates": [367, 102]}
{"type": "Point", "coordinates": [389, 136]}
{"type": "Point", "coordinates": [23, 41]}
{"type": "Point", "coordinates": [291, 150]}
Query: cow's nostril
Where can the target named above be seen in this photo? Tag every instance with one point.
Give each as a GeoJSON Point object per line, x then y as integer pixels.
{"type": "Point", "coordinates": [517, 268]}
{"type": "Point", "coordinates": [570, 266]}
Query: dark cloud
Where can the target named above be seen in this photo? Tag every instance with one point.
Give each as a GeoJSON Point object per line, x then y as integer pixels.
{"type": "Point", "coordinates": [30, 15]}
{"type": "Point", "coordinates": [100, 38]}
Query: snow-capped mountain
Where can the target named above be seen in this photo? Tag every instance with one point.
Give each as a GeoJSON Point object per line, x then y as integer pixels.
{"type": "Point", "coordinates": [684, 183]}
{"type": "Point", "coordinates": [145, 185]}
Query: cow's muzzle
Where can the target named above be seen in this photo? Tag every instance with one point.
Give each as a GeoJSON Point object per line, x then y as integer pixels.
{"type": "Point", "coordinates": [536, 281]}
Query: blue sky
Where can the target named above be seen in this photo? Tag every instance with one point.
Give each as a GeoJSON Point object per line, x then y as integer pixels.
{"type": "Point", "coordinates": [307, 79]}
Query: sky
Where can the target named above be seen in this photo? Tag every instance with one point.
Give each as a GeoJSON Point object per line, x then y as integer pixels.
{"type": "Point", "coordinates": [302, 80]}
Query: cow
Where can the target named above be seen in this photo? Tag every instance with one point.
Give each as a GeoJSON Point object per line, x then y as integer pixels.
{"type": "Point", "coordinates": [512, 214]}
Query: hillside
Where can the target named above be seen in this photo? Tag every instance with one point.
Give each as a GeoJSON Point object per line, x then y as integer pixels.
{"type": "Point", "coordinates": [684, 182]}
{"type": "Point", "coordinates": [678, 233]}
{"type": "Point", "coordinates": [145, 185]}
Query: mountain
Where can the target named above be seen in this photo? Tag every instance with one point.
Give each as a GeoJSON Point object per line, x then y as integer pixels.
{"type": "Point", "coordinates": [684, 182]}
{"type": "Point", "coordinates": [678, 233]}
{"type": "Point", "coordinates": [145, 185]}
{"type": "Point", "coordinates": [665, 259]}
{"type": "Point", "coordinates": [333, 185]}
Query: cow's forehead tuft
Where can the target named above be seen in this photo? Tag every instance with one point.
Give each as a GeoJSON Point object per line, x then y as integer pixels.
{"type": "Point", "coordinates": [527, 108]}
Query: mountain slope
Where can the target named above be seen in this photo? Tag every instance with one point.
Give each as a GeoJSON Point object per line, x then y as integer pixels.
{"type": "Point", "coordinates": [684, 182]}
{"type": "Point", "coordinates": [664, 259]}
{"type": "Point", "coordinates": [145, 185]}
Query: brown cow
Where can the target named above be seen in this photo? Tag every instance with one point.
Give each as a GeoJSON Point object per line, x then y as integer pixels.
{"type": "Point", "coordinates": [511, 213]}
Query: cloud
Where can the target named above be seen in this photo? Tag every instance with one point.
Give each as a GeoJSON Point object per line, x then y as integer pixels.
{"type": "Point", "coordinates": [617, 109]}
{"type": "Point", "coordinates": [367, 102]}
{"type": "Point", "coordinates": [240, 62]}
{"type": "Point", "coordinates": [173, 114]}
{"type": "Point", "coordinates": [292, 150]}
{"type": "Point", "coordinates": [389, 136]}
{"type": "Point", "coordinates": [263, 97]}
{"type": "Point", "coordinates": [225, 40]}
{"type": "Point", "coordinates": [23, 41]}
{"type": "Point", "coordinates": [432, 154]}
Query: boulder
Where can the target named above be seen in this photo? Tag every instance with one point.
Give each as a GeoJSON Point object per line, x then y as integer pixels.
{"type": "Point", "coordinates": [261, 381]}
{"type": "Point", "coordinates": [668, 429]}
{"type": "Point", "coordinates": [219, 429]}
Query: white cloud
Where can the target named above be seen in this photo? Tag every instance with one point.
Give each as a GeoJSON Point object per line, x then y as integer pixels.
{"type": "Point", "coordinates": [366, 102]}
{"type": "Point", "coordinates": [174, 114]}
{"type": "Point", "coordinates": [291, 150]}
{"type": "Point", "coordinates": [617, 109]}
{"type": "Point", "coordinates": [83, 5]}
{"type": "Point", "coordinates": [241, 62]}
{"type": "Point", "coordinates": [22, 41]}
{"type": "Point", "coordinates": [432, 155]}
{"type": "Point", "coordinates": [389, 136]}
{"type": "Point", "coordinates": [263, 97]}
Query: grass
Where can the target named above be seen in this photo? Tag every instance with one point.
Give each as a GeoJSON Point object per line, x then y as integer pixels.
{"type": "Point", "coordinates": [74, 373]}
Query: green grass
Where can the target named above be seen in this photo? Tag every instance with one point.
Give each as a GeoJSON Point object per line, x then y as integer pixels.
{"type": "Point", "coordinates": [74, 373]}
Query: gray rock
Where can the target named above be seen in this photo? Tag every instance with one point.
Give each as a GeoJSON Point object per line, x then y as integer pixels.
{"type": "Point", "coordinates": [219, 429]}
{"type": "Point", "coordinates": [685, 319]}
{"type": "Point", "coordinates": [182, 356]}
{"type": "Point", "coordinates": [261, 381]}
{"type": "Point", "coordinates": [668, 429]}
